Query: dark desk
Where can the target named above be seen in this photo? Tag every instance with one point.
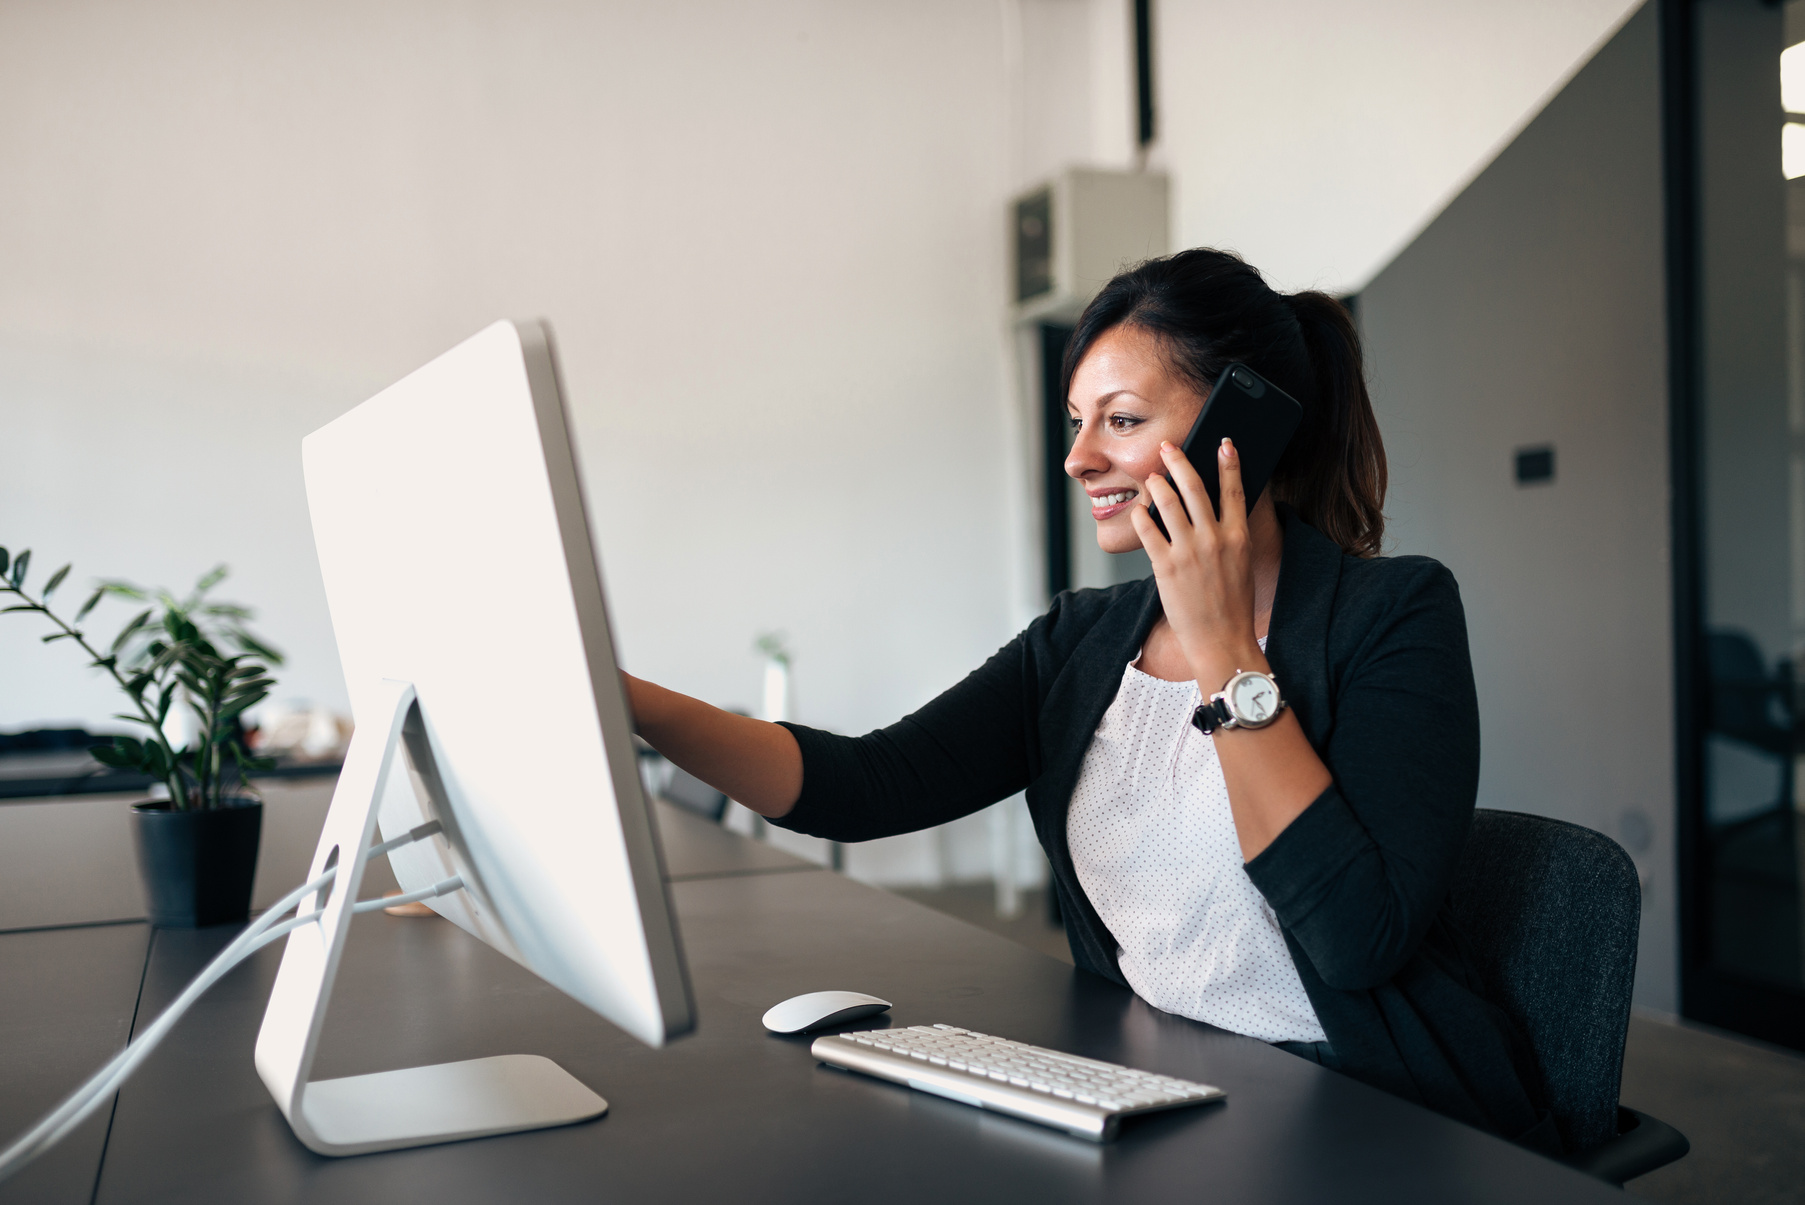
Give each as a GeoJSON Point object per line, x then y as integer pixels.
{"type": "Point", "coordinates": [66, 1003]}
{"type": "Point", "coordinates": [732, 1113]}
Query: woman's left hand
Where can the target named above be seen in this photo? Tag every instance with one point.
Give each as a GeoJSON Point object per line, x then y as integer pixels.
{"type": "Point", "coordinates": [1204, 569]}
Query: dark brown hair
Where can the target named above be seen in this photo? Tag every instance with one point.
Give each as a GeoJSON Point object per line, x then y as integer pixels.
{"type": "Point", "coordinates": [1210, 309]}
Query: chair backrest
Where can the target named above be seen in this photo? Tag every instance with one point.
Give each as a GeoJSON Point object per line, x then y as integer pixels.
{"type": "Point", "coordinates": [1551, 912]}
{"type": "Point", "coordinates": [664, 779]}
{"type": "Point", "coordinates": [692, 794]}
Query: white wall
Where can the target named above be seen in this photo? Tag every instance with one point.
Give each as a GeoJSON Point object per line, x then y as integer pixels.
{"type": "Point", "coordinates": [1533, 311]}
{"type": "Point", "coordinates": [770, 237]}
{"type": "Point", "coordinates": [1317, 137]}
{"type": "Point", "coordinates": [766, 235]}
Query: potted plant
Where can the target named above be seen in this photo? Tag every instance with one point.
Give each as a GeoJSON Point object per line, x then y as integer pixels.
{"type": "Point", "coordinates": [197, 848]}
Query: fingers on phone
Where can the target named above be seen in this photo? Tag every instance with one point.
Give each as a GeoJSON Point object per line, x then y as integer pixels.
{"type": "Point", "coordinates": [1141, 518]}
{"type": "Point", "coordinates": [1228, 462]}
{"type": "Point", "coordinates": [1189, 486]}
{"type": "Point", "coordinates": [1161, 494]}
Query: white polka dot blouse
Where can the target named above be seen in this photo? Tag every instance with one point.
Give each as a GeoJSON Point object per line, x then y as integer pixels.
{"type": "Point", "coordinates": [1154, 845]}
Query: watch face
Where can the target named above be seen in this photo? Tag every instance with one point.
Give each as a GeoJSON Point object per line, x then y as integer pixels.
{"type": "Point", "coordinates": [1254, 698]}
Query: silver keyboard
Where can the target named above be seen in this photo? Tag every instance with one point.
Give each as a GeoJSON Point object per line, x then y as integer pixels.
{"type": "Point", "coordinates": [1082, 1096]}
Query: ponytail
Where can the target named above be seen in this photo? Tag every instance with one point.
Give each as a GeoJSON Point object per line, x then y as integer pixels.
{"type": "Point", "coordinates": [1334, 472]}
{"type": "Point", "coordinates": [1210, 309]}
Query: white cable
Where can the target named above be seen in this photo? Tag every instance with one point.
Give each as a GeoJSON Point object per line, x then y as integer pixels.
{"type": "Point", "coordinates": [442, 887]}
{"type": "Point", "coordinates": [82, 1103]}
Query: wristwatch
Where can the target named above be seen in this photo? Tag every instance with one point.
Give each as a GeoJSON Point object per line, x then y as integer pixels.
{"type": "Point", "coordinates": [1250, 700]}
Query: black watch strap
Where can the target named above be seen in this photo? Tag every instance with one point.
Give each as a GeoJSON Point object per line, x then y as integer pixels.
{"type": "Point", "coordinates": [1211, 715]}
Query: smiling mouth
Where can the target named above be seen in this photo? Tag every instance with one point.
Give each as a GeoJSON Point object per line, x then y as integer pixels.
{"type": "Point", "coordinates": [1104, 506]}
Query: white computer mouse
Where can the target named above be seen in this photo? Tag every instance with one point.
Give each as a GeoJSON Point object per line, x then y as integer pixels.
{"type": "Point", "coordinates": [816, 1009]}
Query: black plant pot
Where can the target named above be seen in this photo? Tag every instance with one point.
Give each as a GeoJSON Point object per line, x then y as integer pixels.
{"type": "Point", "coordinates": [198, 866]}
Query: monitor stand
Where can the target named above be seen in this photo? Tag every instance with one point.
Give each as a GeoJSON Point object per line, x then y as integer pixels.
{"type": "Point", "coordinates": [414, 1106]}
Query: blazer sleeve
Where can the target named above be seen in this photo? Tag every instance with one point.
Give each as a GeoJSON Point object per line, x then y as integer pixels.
{"type": "Point", "coordinates": [1357, 878]}
{"type": "Point", "coordinates": [963, 751]}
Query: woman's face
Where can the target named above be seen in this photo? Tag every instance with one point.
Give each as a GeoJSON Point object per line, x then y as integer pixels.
{"type": "Point", "coordinates": [1124, 402]}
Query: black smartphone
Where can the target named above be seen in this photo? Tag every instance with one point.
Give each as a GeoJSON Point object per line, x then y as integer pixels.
{"type": "Point", "coordinates": [1258, 415]}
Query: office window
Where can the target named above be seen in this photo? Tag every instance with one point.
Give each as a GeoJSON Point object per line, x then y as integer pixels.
{"type": "Point", "coordinates": [1745, 947]}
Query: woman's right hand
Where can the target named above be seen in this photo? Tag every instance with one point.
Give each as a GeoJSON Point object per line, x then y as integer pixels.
{"type": "Point", "coordinates": [751, 762]}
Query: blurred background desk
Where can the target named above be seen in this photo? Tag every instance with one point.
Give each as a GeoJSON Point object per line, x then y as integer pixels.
{"type": "Point", "coordinates": [729, 1113]}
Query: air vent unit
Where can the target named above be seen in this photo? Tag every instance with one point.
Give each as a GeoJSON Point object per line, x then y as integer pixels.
{"type": "Point", "coordinates": [1072, 234]}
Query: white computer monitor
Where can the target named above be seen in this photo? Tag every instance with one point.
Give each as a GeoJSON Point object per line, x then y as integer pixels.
{"type": "Point", "coordinates": [467, 603]}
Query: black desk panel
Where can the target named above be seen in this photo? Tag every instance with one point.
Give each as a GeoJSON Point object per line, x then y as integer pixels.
{"type": "Point", "coordinates": [734, 1114]}
{"type": "Point", "coordinates": [66, 1000]}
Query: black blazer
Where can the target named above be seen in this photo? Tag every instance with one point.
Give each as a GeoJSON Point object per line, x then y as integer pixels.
{"type": "Point", "coordinates": [1372, 655]}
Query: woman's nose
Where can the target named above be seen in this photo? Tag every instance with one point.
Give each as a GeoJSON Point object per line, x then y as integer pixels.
{"type": "Point", "coordinates": [1085, 457]}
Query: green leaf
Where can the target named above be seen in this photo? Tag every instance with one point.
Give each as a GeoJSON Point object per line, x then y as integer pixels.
{"type": "Point", "coordinates": [21, 607]}
{"type": "Point", "coordinates": [93, 601]}
{"type": "Point", "coordinates": [108, 756]}
{"type": "Point", "coordinates": [238, 705]}
{"type": "Point", "coordinates": [258, 648]}
{"type": "Point", "coordinates": [56, 579]}
{"type": "Point", "coordinates": [4, 557]}
{"type": "Point", "coordinates": [213, 577]}
{"type": "Point", "coordinates": [131, 628]}
{"type": "Point", "coordinates": [56, 636]}
{"type": "Point", "coordinates": [121, 589]}
{"type": "Point", "coordinates": [19, 564]}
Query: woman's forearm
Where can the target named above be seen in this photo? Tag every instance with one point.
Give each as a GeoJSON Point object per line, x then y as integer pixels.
{"type": "Point", "coordinates": [752, 762]}
{"type": "Point", "coordinates": [1272, 773]}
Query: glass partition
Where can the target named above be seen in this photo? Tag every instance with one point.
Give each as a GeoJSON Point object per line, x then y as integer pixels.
{"type": "Point", "coordinates": [1746, 948]}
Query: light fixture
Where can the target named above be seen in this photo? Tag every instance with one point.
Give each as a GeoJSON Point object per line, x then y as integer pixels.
{"type": "Point", "coordinates": [1792, 100]}
{"type": "Point", "coordinates": [1792, 78]}
{"type": "Point", "coordinates": [1792, 150]}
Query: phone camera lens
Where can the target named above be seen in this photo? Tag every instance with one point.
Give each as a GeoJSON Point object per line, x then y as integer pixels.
{"type": "Point", "coordinates": [1243, 378]}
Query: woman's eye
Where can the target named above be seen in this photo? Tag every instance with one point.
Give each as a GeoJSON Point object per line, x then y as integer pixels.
{"type": "Point", "coordinates": [1075, 422]}
{"type": "Point", "coordinates": [1123, 422]}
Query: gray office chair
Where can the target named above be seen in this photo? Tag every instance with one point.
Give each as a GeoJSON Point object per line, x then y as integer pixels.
{"type": "Point", "coordinates": [692, 794]}
{"type": "Point", "coordinates": [1550, 911]}
{"type": "Point", "coordinates": [675, 785]}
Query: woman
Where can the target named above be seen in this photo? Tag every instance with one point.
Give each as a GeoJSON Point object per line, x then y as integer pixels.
{"type": "Point", "coordinates": [1287, 880]}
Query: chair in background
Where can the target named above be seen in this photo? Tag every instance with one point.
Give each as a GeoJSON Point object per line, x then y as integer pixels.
{"type": "Point", "coordinates": [693, 795]}
{"type": "Point", "coordinates": [1551, 912]}
{"type": "Point", "coordinates": [670, 782]}
{"type": "Point", "coordinates": [664, 780]}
